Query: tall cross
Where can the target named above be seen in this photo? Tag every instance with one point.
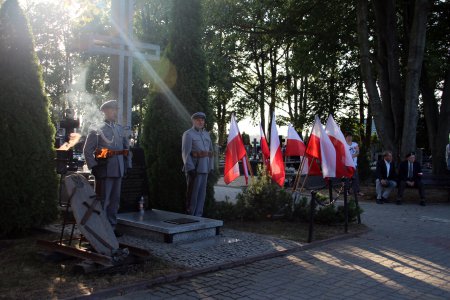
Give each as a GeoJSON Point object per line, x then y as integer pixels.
{"type": "Point", "coordinates": [122, 49]}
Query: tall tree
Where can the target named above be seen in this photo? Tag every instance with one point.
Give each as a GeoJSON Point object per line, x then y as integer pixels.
{"type": "Point", "coordinates": [27, 170]}
{"type": "Point", "coordinates": [168, 116]}
{"type": "Point", "coordinates": [395, 107]}
{"type": "Point", "coordinates": [435, 82]}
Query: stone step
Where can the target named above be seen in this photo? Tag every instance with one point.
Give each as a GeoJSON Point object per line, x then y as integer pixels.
{"type": "Point", "coordinates": [167, 227]}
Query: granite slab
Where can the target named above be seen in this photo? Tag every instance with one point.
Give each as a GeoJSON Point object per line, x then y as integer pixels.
{"type": "Point", "coordinates": [156, 225]}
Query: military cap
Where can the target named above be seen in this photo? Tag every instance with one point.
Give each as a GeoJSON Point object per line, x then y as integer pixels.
{"type": "Point", "coordinates": [198, 115]}
{"type": "Point", "coordinates": [109, 104]}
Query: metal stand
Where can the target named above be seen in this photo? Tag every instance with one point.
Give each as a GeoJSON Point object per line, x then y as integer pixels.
{"type": "Point", "coordinates": [355, 195]}
{"type": "Point", "coordinates": [92, 261]}
{"type": "Point", "coordinates": [314, 200]}
{"type": "Point", "coordinates": [345, 206]}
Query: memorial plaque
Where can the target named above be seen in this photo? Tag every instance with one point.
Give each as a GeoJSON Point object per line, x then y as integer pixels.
{"type": "Point", "coordinates": [181, 221]}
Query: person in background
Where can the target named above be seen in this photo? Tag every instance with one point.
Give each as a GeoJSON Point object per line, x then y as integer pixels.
{"type": "Point", "coordinates": [354, 151]}
{"type": "Point", "coordinates": [198, 159]}
{"type": "Point", "coordinates": [385, 177]}
{"type": "Point", "coordinates": [410, 175]}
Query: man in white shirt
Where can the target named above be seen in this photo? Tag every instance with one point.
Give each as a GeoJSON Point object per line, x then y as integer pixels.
{"type": "Point", "coordinates": [354, 151]}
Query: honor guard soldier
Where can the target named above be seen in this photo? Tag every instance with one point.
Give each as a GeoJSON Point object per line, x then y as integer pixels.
{"type": "Point", "coordinates": [197, 153]}
{"type": "Point", "coordinates": [106, 154]}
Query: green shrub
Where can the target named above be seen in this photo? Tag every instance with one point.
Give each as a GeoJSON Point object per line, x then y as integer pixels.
{"type": "Point", "coordinates": [263, 199]}
{"type": "Point", "coordinates": [28, 182]}
{"type": "Point", "coordinates": [352, 212]}
{"type": "Point", "coordinates": [167, 117]}
{"type": "Point", "coordinates": [222, 210]}
{"type": "Point", "coordinates": [326, 214]}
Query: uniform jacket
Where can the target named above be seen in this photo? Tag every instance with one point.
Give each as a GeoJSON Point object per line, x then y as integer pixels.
{"type": "Point", "coordinates": [381, 171]}
{"type": "Point", "coordinates": [110, 136]}
{"type": "Point", "coordinates": [196, 140]}
{"type": "Point", "coordinates": [403, 170]}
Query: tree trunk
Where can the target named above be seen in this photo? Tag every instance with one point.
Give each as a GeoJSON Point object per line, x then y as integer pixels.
{"type": "Point", "coordinates": [430, 108]}
{"type": "Point", "coordinates": [262, 87]}
{"type": "Point", "coordinates": [414, 67]}
{"type": "Point", "coordinates": [361, 109]}
{"type": "Point", "coordinates": [382, 63]}
{"type": "Point", "coordinates": [273, 80]}
{"type": "Point", "coordinates": [392, 65]}
{"type": "Point", "coordinates": [221, 123]}
{"type": "Point", "coordinates": [368, 134]}
{"type": "Point", "coordinates": [369, 81]}
{"type": "Point", "coordinates": [442, 136]}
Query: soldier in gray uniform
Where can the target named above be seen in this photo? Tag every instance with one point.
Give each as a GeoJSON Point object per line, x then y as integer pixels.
{"type": "Point", "coordinates": [197, 153]}
{"type": "Point", "coordinates": [106, 154]}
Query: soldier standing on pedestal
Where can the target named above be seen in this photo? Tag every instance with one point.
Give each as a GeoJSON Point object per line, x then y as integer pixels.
{"type": "Point", "coordinates": [106, 154]}
{"type": "Point", "coordinates": [197, 153]}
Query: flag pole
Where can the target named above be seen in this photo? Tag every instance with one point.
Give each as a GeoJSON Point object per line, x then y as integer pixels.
{"type": "Point", "coordinates": [307, 174]}
{"type": "Point", "coordinates": [249, 167]}
{"type": "Point", "coordinates": [297, 178]}
{"type": "Point", "coordinates": [303, 160]}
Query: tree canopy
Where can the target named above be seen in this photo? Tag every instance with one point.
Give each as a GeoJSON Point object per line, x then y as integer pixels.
{"type": "Point", "coordinates": [364, 60]}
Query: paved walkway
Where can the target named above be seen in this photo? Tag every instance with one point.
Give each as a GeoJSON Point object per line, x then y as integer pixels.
{"type": "Point", "coordinates": [405, 256]}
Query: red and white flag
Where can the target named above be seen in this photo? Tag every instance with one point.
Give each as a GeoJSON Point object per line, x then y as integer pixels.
{"type": "Point", "coordinates": [320, 147]}
{"type": "Point", "coordinates": [276, 157]}
{"type": "Point", "coordinates": [345, 166]}
{"type": "Point", "coordinates": [294, 144]}
{"type": "Point", "coordinates": [264, 148]}
{"type": "Point", "coordinates": [311, 168]}
{"type": "Point", "coordinates": [234, 153]}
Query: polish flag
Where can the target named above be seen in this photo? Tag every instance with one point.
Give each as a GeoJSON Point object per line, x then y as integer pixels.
{"type": "Point", "coordinates": [321, 147]}
{"type": "Point", "coordinates": [345, 166]}
{"type": "Point", "coordinates": [311, 166]}
{"type": "Point", "coordinates": [234, 153]}
{"type": "Point", "coordinates": [294, 144]}
{"type": "Point", "coordinates": [276, 158]}
{"type": "Point", "coordinates": [264, 148]}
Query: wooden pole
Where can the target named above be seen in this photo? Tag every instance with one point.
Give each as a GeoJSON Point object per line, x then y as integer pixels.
{"type": "Point", "coordinates": [299, 173]}
{"type": "Point", "coordinates": [307, 174]}
{"type": "Point", "coordinates": [306, 150]}
{"type": "Point", "coordinates": [249, 167]}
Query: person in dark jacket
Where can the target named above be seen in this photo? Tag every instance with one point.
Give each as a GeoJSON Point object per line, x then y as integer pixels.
{"type": "Point", "coordinates": [385, 177]}
{"type": "Point", "coordinates": [410, 175]}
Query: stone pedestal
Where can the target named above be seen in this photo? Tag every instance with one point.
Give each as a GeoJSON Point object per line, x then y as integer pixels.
{"type": "Point", "coordinates": [167, 227]}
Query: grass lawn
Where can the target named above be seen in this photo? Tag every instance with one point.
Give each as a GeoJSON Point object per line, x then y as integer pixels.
{"type": "Point", "coordinates": [26, 274]}
{"type": "Point", "coordinates": [295, 231]}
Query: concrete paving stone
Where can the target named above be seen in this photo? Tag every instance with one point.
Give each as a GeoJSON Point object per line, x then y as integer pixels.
{"type": "Point", "coordinates": [161, 294]}
{"type": "Point", "coordinates": [177, 292]}
{"type": "Point", "coordinates": [221, 297]}
{"type": "Point", "coordinates": [399, 258]}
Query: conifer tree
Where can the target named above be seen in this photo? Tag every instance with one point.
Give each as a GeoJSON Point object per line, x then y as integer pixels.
{"type": "Point", "coordinates": [166, 120]}
{"type": "Point", "coordinates": [28, 183]}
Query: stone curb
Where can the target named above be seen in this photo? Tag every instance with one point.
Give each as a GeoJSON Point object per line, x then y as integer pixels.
{"type": "Point", "coordinates": [146, 284]}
